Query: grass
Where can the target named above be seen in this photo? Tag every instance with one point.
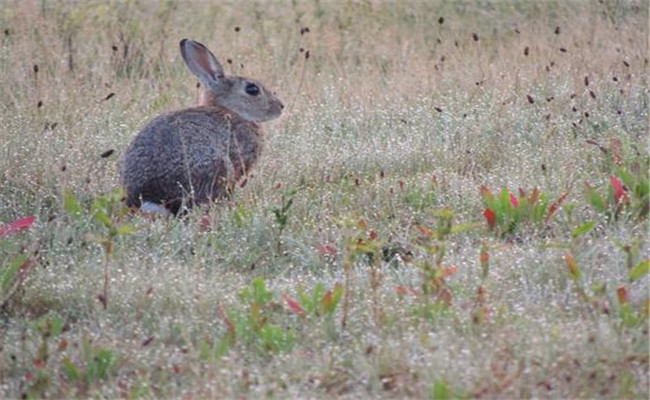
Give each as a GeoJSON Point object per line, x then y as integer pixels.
{"type": "Point", "coordinates": [360, 260]}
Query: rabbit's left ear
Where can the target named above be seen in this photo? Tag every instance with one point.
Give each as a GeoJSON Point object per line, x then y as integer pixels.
{"type": "Point", "coordinates": [201, 62]}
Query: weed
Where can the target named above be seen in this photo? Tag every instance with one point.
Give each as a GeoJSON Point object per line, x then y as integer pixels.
{"type": "Point", "coordinates": [506, 213]}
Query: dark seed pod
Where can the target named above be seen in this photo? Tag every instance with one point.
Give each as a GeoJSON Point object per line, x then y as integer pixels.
{"type": "Point", "coordinates": [107, 153]}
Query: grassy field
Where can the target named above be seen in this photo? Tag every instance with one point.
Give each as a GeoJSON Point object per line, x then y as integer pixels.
{"type": "Point", "coordinates": [453, 205]}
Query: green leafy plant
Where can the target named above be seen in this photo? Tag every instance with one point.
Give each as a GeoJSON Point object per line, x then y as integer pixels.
{"type": "Point", "coordinates": [599, 297]}
{"type": "Point", "coordinates": [253, 326]}
{"type": "Point", "coordinates": [96, 364]}
{"type": "Point", "coordinates": [505, 213]}
{"type": "Point", "coordinates": [107, 212]}
{"type": "Point", "coordinates": [16, 262]}
{"type": "Point", "coordinates": [422, 199]}
{"type": "Point", "coordinates": [281, 214]}
{"type": "Point", "coordinates": [435, 295]}
{"type": "Point", "coordinates": [317, 303]}
{"type": "Point", "coordinates": [360, 242]}
{"type": "Point", "coordinates": [48, 328]}
{"type": "Point", "coordinates": [626, 196]}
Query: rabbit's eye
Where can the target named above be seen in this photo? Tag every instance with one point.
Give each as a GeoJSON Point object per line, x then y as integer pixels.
{"type": "Point", "coordinates": [252, 89]}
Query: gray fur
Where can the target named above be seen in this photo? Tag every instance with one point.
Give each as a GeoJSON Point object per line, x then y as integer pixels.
{"type": "Point", "coordinates": [197, 155]}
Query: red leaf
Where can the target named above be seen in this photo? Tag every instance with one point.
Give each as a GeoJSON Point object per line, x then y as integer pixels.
{"type": "Point", "coordinates": [485, 192]}
{"type": "Point", "coordinates": [293, 305]}
{"type": "Point", "coordinates": [522, 193]}
{"type": "Point", "coordinates": [445, 296]}
{"type": "Point", "coordinates": [491, 218]}
{"type": "Point", "coordinates": [571, 263]}
{"type": "Point", "coordinates": [227, 321]}
{"type": "Point", "coordinates": [534, 196]}
{"type": "Point", "coordinates": [484, 257]}
{"type": "Point", "coordinates": [622, 295]}
{"type": "Point", "coordinates": [553, 208]}
{"type": "Point", "coordinates": [425, 231]}
{"type": "Point", "coordinates": [481, 293]}
{"type": "Point", "coordinates": [204, 223]}
{"type": "Point", "coordinates": [514, 200]}
{"type": "Point", "coordinates": [619, 190]}
{"type": "Point", "coordinates": [402, 290]}
{"type": "Point", "coordinates": [327, 249]}
{"type": "Point", "coordinates": [449, 271]}
{"type": "Point", "coordinates": [16, 226]}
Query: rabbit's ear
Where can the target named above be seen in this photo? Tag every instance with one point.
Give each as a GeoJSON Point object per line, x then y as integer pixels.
{"type": "Point", "coordinates": [201, 61]}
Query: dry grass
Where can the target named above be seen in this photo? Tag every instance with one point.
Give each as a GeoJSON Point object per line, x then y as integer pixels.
{"type": "Point", "coordinates": [398, 112]}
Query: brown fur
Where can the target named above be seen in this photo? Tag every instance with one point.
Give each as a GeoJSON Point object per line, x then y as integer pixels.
{"type": "Point", "coordinates": [197, 155]}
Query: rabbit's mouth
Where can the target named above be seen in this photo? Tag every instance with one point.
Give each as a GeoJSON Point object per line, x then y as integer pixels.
{"type": "Point", "coordinates": [275, 110]}
{"type": "Point", "coordinates": [272, 111]}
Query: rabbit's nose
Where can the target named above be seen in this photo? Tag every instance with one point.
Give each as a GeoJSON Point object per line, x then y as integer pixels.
{"type": "Point", "coordinates": [281, 106]}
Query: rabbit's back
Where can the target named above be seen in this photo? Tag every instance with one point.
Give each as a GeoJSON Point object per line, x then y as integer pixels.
{"type": "Point", "coordinates": [196, 154]}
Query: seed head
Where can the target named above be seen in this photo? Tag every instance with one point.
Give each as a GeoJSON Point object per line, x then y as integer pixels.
{"type": "Point", "coordinates": [107, 153]}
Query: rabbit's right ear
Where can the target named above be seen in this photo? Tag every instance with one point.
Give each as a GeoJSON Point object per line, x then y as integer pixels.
{"type": "Point", "coordinates": [201, 62]}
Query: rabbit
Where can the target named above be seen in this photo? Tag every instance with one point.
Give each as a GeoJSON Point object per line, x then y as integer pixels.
{"type": "Point", "coordinates": [197, 155]}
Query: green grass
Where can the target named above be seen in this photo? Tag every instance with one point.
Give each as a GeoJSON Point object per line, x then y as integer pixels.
{"type": "Point", "coordinates": [358, 261]}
